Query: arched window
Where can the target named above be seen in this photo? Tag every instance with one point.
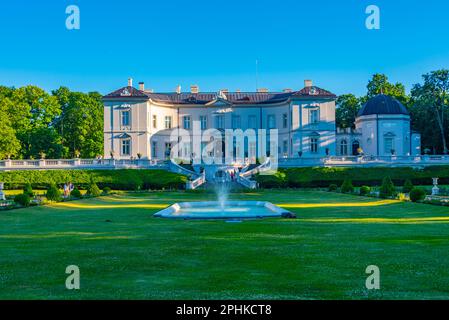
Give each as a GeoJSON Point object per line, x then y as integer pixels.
{"type": "Point", "coordinates": [355, 148]}
{"type": "Point", "coordinates": [343, 147]}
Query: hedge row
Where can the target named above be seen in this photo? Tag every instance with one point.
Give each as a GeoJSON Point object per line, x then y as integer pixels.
{"type": "Point", "coordinates": [114, 179]}
{"type": "Point", "coordinates": [323, 177]}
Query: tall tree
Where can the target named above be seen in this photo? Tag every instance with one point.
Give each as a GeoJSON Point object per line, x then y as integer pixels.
{"type": "Point", "coordinates": [81, 122]}
{"type": "Point", "coordinates": [348, 105]}
{"type": "Point", "coordinates": [432, 98]}
{"type": "Point", "coordinates": [9, 144]}
{"type": "Point", "coordinates": [379, 84]}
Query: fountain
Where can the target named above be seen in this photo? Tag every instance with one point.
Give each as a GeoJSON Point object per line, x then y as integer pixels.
{"type": "Point", "coordinates": [2, 195]}
{"type": "Point", "coordinates": [224, 209]}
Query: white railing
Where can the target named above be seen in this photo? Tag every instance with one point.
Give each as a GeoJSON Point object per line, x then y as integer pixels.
{"type": "Point", "coordinates": [7, 165]}
{"type": "Point", "coordinates": [244, 178]}
{"type": "Point", "coordinates": [365, 161]}
{"type": "Point", "coordinates": [196, 179]}
{"type": "Point", "coordinates": [192, 185]}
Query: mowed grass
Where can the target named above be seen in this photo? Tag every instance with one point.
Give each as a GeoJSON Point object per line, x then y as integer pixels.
{"type": "Point", "coordinates": [125, 253]}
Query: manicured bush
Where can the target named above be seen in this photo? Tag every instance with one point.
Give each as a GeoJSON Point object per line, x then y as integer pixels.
{"type": "Point", "coordinates": [322, 177]}
{"type": "Point", "coordinates": [126, 179]}
{"type": "Point", "coordinates": [417, 194]}
{"type": "Point", "coordinates": [53, 193]}
{"type": "Point", "coordinates": [272, 181]}
{"type": "Point", "coordinates": [76, 193]}
{"type": "Point", "coordinates": [347, 186]}
{"type": "Point", "coordinates": [93, 190]}
{"type": "Point", "coordinates": [22, 199]}
{"type": "Point", "coordinates": [333, 188]}
{"type": "Point", "coordinates": [107, 190]}
{"type": "Point", "coordinates": [408, 186]}
{"type": "Point", "coordinates": [387, 188]}
{"type": "Point", "coordinates": [364, 190]}
{"type": "Point", "coordinates": [28, 189]}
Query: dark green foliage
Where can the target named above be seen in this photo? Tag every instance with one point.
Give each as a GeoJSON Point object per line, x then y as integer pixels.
{"type": "Point", "coordinates": [347, 186]}
{"type": "Point", "coordinates": [364, 190]}
{"type": "Point", "coordinates": [28, 189]}
{"type": "Point", "coordinates": [53, 193]}
{"type": "Point", "coordinates": [107, 190]}
{"type": "Point", "coordinates": [114, 179]}
{"type": "Point", "coordinates": [319, 177]}
{"type": "Point", "coordinates": [408, 186]}
{"type": "Point", "coordinates": [387, 188]}
{"type": "Point", "coordinates": [22, 199]}
{"type": "Point", "coordinates": [417, 194]}
{"type": "Point", "coordinates": [93, 190]}
{"type": "Point", "coordinates": [333, 188]}
{"type": "Point", "coordinates": [277, 180]}
{"type": "Point", "coordinates": [76, 193]}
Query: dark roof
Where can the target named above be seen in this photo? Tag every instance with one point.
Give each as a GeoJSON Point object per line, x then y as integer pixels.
{"type": "Point", "coordinates": [236, 98]}
{"type": "Point", "coordinates": [126, 92]}
{"type": "Point", "coordinates": [382, 104]}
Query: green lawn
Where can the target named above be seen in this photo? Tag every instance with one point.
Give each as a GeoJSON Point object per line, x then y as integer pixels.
{"type": "Point", "coordinates": [123, 252]}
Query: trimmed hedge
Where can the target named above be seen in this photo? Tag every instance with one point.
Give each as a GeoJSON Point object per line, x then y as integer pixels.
{"type": "Point", "coordinates": [319, 177]}
{"type": "Point", "coordinates": [126, 179]}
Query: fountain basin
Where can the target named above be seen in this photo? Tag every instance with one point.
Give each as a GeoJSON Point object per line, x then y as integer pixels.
{"type": "Point", "coordinates": [228, 210]}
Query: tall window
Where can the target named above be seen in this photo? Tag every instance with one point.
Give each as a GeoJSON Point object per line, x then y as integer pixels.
{"type": "Point", "coordinates": [271, 121]}
{"type": "Point", "coordinates": [154, 121]}
{"type": "Point", "coordinates": [126, 147]}
{"type": "Point", "coordinates": [125, 118]}
{"type": "Point", "coordinates": [284, 121]}
{"type": "Point", "coordinates": [252, 122]}
{"type": "Point", "coordinates": [343, 147]}
{"type": "Point", "coordinates": [314, 116]}
{"type": "Point", "coordinates": [389, 144]}
{"type": "Point", "coordinates": [167, 150]}
{"type": "Point", "coordinates": [285, 147]}
{"type": "Point", "coordinates": [236, 122]}
{"type": "Point", "coordinates": [314, 145]}
{"type": "Point", "coordinates": [203, 121]}
{"type": "Point", "coordinates": [154, 149]}
{"type": "Point", "coordinates": [168, 120]}
{"type": "Point", "coordinates": [219, 121]}
{"type": "Point", "coordinates": [186, 122]}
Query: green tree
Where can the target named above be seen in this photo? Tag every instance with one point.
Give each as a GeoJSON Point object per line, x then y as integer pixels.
{"type": "Point", "coordinates": [379, 84]}
{"type": "Point", "coordinates": [9, 144]}
{"type": "Point", "coordinates": [81, 122]}
{"type": "Point", "coordinates": [430, 108]}
{"type": "Point", "coordinates": [387, 188]}
{"type": "Point", "coordinates": [348, 106]}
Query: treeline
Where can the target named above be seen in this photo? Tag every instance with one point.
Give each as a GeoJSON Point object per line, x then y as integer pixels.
{"type": "Point", "coordinates": [427, 102]}
{"type": "Point", "coordinates": [35, 124]}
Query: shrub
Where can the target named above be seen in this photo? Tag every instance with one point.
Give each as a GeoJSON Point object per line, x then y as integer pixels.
{"type": "Point", "coordinates": [107, 190]}
{"type": "Point", "coordinates": [408, 186]}
{"type": "Point", "coordinates": [76, 193]}
{"type": "Point", "coordinates": [53, 193]}
{"type": "Point", "coordinates": [387, 188]}
{"type": "Point", "coordinates": [333, 188]}
{"type": "Point", "coordinates": [93, 190]}
{"type": "Point", "coordinates": [23, 199]}
{"type": "Point", "coordinates": [28, 189]}
{"type": "Point", "coordinates": [417, 194]}
{"type": "Point", "coordinates": [347, 186]}
{"type": "Point", "coordinates": [365, 190]}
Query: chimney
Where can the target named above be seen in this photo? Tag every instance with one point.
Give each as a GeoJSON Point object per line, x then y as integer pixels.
{"type": "Point", "coordinates": [287, 90]}
{"type": "Point", "coordinates": [178, 89]}
{"type": "Point", "coordinates": [262, 90]}
{"type": "Point", "coordinates": [142, 86]}
{"type": "Point", "coordinates": [308, 83]}
{"type": "Point", "coordinates": [238, 90]}
{"type": "Point", "coordinates": [224, 91]}
{"type": "Point", "coordinates": [194, 89]}
{"type": "Point", "coordinates": [130, 82]}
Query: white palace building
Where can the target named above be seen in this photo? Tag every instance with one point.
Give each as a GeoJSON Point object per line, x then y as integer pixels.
{"type": "Point", "coordinates": [138, 122]}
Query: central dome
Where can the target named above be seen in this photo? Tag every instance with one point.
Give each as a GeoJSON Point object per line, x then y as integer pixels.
{"type": "Point", "coordinates": [382, 104]}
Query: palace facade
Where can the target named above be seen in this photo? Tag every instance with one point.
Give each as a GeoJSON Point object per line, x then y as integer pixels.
{"type": "Point", "coordinates": [139, 122]}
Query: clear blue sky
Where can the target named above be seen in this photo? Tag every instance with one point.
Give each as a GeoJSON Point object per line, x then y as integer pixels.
{"type": "Point", "coordinates": [215, 43]}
